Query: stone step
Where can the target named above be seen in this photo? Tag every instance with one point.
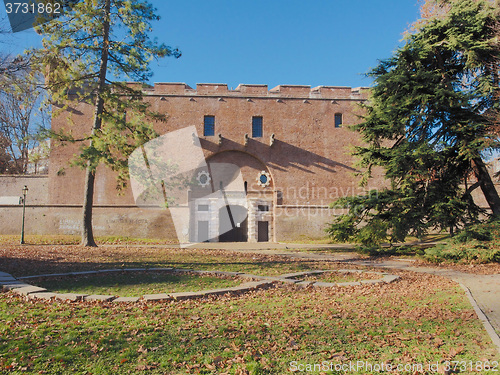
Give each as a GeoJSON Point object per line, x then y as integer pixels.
{"type": "Point", "coordinates": [29, 290]}
{"type": "Point", "coordinates": [156, 297]}
{"type": "Point", "coordinates": [99, 297]}
{"type": "Point", "coordinates": [15, 285]}
{"type": "Point", "coordinates": [73, 297]}
{"type": "Point", "coordinates": [42, 295]}
{"type": "Point", "coordinates": [126, 299]}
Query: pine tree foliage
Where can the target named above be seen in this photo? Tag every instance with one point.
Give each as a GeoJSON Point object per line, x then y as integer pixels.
{"type": "Point", "coordinates": [430, 117]}
{"type": "Point", "coordinates": [87, 56]}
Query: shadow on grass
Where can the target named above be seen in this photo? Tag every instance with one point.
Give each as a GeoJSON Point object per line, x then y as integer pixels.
{"type": "Point", "coordinates": [134, 284]}
{"type": "Point", "coordinates": [30, 267]}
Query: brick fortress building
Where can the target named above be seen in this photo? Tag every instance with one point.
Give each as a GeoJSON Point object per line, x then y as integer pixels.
{"type": "Point", "coordinates": [291, 145]}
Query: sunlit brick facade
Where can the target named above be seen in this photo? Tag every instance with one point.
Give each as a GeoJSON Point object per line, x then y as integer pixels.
{"type": "Point", "coordinates": [297, 136]}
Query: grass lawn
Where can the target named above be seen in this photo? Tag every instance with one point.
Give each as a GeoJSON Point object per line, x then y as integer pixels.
{"type": "Point", "coordinates": [342, 277]}
{"type": "Point", "coordinates": [75, 240]}
{"type": "Point", "coordinates": [135, 284]}
{"type": "Point", "coordinates": [419, 319]}
{"type": "Point", "coordinates": [36, 260]}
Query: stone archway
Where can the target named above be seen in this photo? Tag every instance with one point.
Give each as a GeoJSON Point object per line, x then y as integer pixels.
{"type": "Point", "coordinates": [249, 166]}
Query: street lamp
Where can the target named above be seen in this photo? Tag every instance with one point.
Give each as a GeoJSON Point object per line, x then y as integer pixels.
{"type": "Point", "coordinates": [25, 191]}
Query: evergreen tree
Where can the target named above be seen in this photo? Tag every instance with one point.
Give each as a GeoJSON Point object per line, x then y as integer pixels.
{"type": "Point", "coordinates": [430, 118]}
{"type": "Point", "coordinates": [86, 55]}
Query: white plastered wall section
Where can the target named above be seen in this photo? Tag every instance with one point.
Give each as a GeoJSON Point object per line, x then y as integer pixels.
{"type": "Point", "coordinates": [210, 210]}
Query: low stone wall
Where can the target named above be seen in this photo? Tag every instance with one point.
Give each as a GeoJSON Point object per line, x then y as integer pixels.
{"type": "Point", "coordinates": [129, 221]}
{"type": "Point", "coordinates": [19, 286]}
{"type": "Point", "coordinates": [291, 222]}
{"type": "Point", "coordinates": [295, 223]}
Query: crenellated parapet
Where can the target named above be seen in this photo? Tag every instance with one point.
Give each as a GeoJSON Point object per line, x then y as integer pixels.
{"type": "Point", "coordinates": [261, 91]}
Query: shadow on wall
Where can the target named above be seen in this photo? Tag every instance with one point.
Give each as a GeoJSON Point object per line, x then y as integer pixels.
{"type": "Point", "coordinates": [280, 155]}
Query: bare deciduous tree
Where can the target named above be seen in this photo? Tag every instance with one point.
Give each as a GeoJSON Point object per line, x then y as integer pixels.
{"type": "Point", "coordinates": [21, 113]}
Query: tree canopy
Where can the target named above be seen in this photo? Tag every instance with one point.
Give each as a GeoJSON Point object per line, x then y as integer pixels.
{"type": "Point", "coordinates": [87, 55]}
{"type": "Point", "coordinates": [433, 112]}
{"type": "Point", "coordinates": [22, 115]}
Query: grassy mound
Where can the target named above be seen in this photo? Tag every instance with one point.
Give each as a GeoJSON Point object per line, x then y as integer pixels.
{"type": "Point", "coordinates": [479, 243]}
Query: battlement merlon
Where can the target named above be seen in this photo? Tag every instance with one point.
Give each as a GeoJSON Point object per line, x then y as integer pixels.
{"type": "Point", "coordinates": [256, 90]}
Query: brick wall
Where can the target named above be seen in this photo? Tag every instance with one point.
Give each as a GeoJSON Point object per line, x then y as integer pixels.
{"type": "Point", "coordinates": [305, 154]}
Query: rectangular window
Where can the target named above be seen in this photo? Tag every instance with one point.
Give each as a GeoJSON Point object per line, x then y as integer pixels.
{"type": "Point", "coordinates": [256, 126]}
{"type": "Point", "coordinates": [203, 207]}
{"type": "Point", "coordinates": [262, 207]}
{"type": "Point", "coordinates": [209, 126]}
{"type": "Point", "coordinates": [338, 120]}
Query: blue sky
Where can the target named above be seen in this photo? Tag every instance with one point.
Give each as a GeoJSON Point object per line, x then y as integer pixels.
{"type": "Point", "coordinates": [323, 42]}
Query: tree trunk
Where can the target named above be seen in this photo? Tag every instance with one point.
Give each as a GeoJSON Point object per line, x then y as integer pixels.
{"type": "Point", "coordinates": [87, 232]}
{"type": "Point", "coordinates": [487, 186]}
{"type": "Point", "coordinates": [88, 201]}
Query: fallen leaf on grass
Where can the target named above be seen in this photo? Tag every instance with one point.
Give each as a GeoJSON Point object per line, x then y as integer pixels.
{"type": "Point", "coordinates": [438, 342]}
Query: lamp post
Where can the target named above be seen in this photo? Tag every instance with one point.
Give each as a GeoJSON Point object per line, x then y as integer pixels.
{"type": "Point", "coordinates": [25, 191]}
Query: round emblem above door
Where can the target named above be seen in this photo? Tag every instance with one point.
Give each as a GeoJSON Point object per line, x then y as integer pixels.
{"type": "Point", "coordinates": [203, 178]}
{"type": "Point", "coordinates": [263, 179]}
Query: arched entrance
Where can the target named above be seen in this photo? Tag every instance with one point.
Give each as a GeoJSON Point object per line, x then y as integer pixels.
{"type": "Point", "coordinates": [232, 200]}
{"type": "Point", "coordinates": [233, 224]}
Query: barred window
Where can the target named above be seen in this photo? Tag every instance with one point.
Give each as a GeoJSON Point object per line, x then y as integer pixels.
{"type": "Point", "coordinates": [338, 120]}
{"type": "Point", "coordinates": [256, 126]}
{"type": "Point", "coordinates": [209, 126]}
